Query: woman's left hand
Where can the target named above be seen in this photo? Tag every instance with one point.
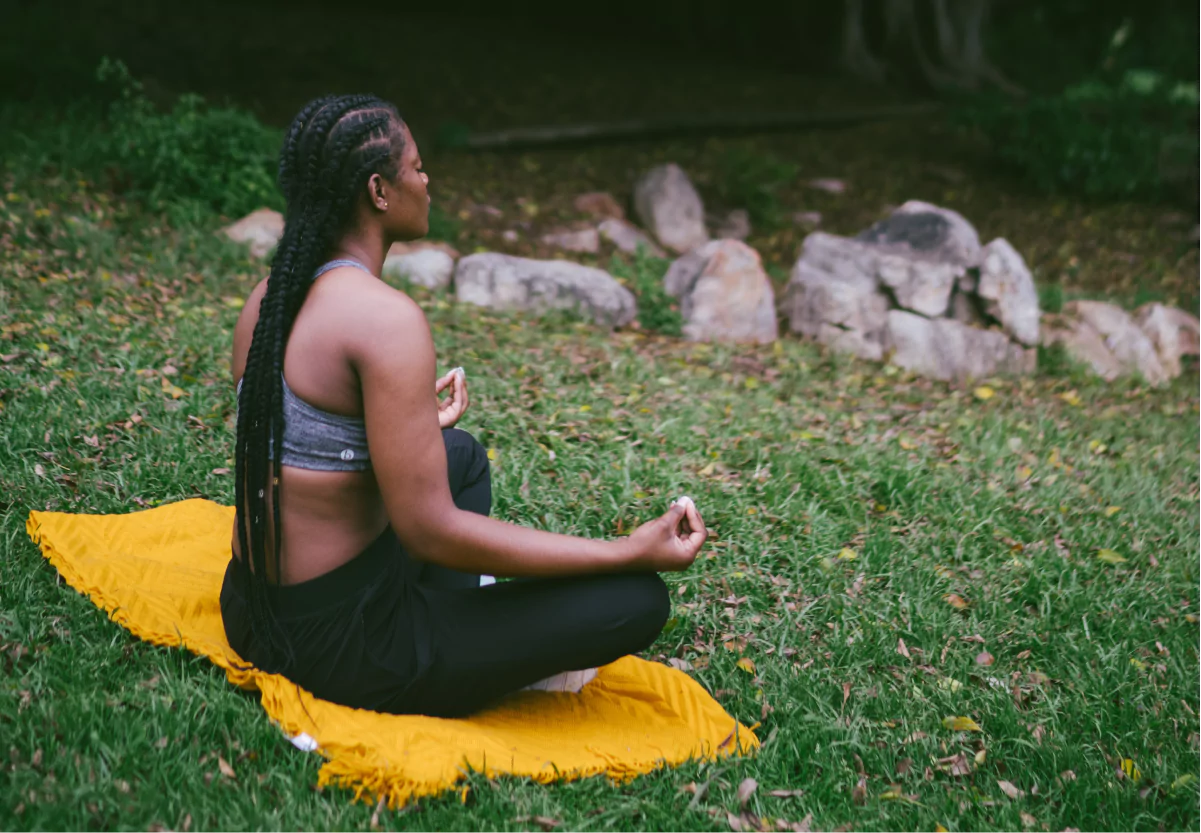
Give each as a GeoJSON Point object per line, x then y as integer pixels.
{"type": "Point", "coordinates": [452, 408]}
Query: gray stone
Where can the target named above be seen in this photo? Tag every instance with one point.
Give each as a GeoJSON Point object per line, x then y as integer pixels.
{"type": "Point", "coordinates": [918, 284]}
{"type": "Point", "coordinates": [505, 282]}
{"type": "Point", "coordinates": [431, 268]}
{"type": "Point", "coordinates": [927, 230]}
{"type": "Point", "coordinates": [260, 229]}
{"type": "Point", "coordinates": [586, 241]}
{"type": "Point", "coordinates": [1007, 289]}
{"type": "Point", "coordinates": [725, 295]}
{"type": "Point", "coordinates": [669, 206]}
{"type": "Point", "coordinates": [1083, 343]}
{"type": "Point", "coordinates": [943, 348]}
{"type": "Point", "coordinates": [1123, 337]}
{"type": "Point", "coordinates": [1173, 333]}
{"type": "Point", "coordinates": [628, 238]}
{"type": "Point", "coordinates": [833, 288]}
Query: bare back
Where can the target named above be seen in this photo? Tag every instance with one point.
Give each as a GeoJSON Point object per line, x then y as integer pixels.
{"type": "Point", "coordinates": [326, 517]}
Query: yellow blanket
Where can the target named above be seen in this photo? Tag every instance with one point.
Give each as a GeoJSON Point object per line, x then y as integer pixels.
{"type": "Point", "coordinates": [158, 573]}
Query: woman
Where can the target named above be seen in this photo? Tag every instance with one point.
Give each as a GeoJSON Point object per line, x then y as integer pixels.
{"type": "Point", "coordinates": [360, 538]}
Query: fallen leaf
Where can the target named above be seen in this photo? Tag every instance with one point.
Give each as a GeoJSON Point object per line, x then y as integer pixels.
{"type": "Point", "coordinates": [903, 766]}
{"type": "Point", "coordinates": [846, 692]}
{"type": "Point", "coordinates": [1110, 511]}
{"type": "Point", "coordinates": [1071, 397]}
{"type": "Point", "coordinates": [795, 793]}
{"type": "Point", "coordinates": [379, 806]}
{"type": "Point", "coordinates": [859, 793]}
{"type": "Point", "coordinates": [221, 471]}
{"type": "Point", "coordinates": [1183, 780]}
{"type": "Point", "coordinates": [234, 303]}
{"type": "Point", "coordinates": [902, 650]}
{"type": "Point", "coordinates": [961, 724]}
{"type": "Point", "coordinates": [1067, 776]}
{"type": "Point", "coordinates": [847, 554]}
{"type": "Point", "coordinates": [680, 664]}
{"type": "Point", "coordinates": [747, 664]}
{"type": "Point", "coordinates": [1131, 770]}
{"type": "Point", "coordinates": [984, 393]}
{"type": "Point", "coordinates": [956, 601]}
{"type": "Point", "coordinates": [804, 825]}
{"type": "Point", "coordinates": [745, 790]}
{"type": "Point", "coordinates": [39, 470]}
{"type": "Point", "coordinates": [226, 769]}
{"type": "Point", "coordinates": [1010, 790]}
{"type": "Point", "coordinates": [734, 822]}
{"type": "Point", "coordinates": [545, 822]}
{"type": "Point", "coordinates": [1110, 557]}
{"type": "Point", "coordinates": [938, 828]}
{"type": "Point", "coordinates": [1028, 820]}
{"type": "Point", "coordinates": [984, 658]}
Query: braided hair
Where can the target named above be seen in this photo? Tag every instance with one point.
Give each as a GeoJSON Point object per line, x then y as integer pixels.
{"type": "Point", "coordinates": [332, 146]}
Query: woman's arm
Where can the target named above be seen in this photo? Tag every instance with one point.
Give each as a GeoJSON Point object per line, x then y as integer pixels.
{"type": "Point", "coordinates": [393, 353]}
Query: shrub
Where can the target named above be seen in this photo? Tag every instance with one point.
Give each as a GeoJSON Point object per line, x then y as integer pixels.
{"type": "Point", "coordinates": [658, 312]}
{"type": "Point", "coordinates": [217, 157]}
{"type": "Point", "coordinates": [752, 181]}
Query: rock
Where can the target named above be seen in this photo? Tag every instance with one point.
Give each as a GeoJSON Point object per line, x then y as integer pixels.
{"type": "Point", "coordinates": [1006, 287]}
{"type": "Point", "coordinates": [586, 241]}
{"type": "Point", "coordinates": [505, 282]}
{"type": "Point", "coordinates": [927, 230]}
{"type": "Point", "coordinates": [429, 267]}
{"type": "Point", "coordinates": [421, 246]}
{"type": "Point", "coordinates": [830, 186]}
{"type": "Point", "coordinates": [807, 219]}
{"type": "Point", "coordinates": [262, 229]}
{"type": "Point", "coordinates": [725, 295]}
{"type": "Point", "coordinates": [1123, 338]}
{"type": "Point", "coordinates": [1173, 333]}
{"type": "Point", "coordinates": [918, 284]}
{"type": "Point", "coordinates": [733, 226]}
{"type": "Point", "coordinates": [628, 237]}
{"type": "Point", "coordinates": [669, 206]}
{"type": "Point", "coordinates": [1083, 343]}
{"type": "Point", "coordinates": [833, 288]}
{"type": "Point", "coordinates": [943, 348]}
{"type": "Point", "coordinates": [600, 204]}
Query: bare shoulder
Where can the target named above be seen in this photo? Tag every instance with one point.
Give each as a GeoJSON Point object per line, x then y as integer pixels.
{"type": "Point", "coordinates": [374, 320]}
{"type": "Point", "coordinates": [244, 328]}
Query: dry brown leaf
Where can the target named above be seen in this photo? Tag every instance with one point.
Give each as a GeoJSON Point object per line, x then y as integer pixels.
{"type": "Point", "coordinates": [379, 806]}
{"type": "Point", "coordinates": [1028, 820]}
{"type": "Point", "coordinates": [804, 825]}
{"type": "Point", "coordinates": [1067, 776]}
{"type": "Point", "coordinates": [1010, 790]}
{"type": "Point", "coordinates": [956, 601]}
{"type": "Point", "coordinates": [745, 790]}
{"type": "Point", "coordinates": [984, 658]}
{"type": "Point", "coordinates": [903, 766]}
{"type": "Point", "coordinates": [859, 793]}
{"type": "Point", "coordinates": [846, 692]}
{"type": "Point", "coordinates": [786, 793]}
{"type": "Point", "coordinates": [226, 769]}
{"type": "Point", "coordinates": [902, 650]}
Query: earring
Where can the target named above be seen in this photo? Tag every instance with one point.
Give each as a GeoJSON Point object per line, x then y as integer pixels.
{"type": "Point", "coordinates": [385, 206]}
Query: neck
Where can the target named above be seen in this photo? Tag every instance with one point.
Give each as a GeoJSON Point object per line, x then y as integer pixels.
{"type": "Point", "coordinates": [368, 248]}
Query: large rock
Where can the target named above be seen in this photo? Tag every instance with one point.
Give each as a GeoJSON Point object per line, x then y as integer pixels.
{"type": "Point", "coordinates": [669, 206]}
{"type": "Point", "coordinates": [505, 282]}
{"type": "Point", "coordinates": [943, 348]}
{"type": "Point", "coordinates": [628, 237]}
{"type": "Point", "coordinates": [724, 293]}
{"type": "Point", "coordinates": [403, 248]}
{"type": "Point", "coordinates": [1173, 333]}
{"type": "Point", "coordinates": [927, 230]}
{"type": "Point", "coordinates": [833, 296]}
{"type": "Point", "coordinates": [1083, 343]}
{"type": "Point", "coordinates": [584, 241]}
{"type": "Point", "coordinates": [1006, 287]}
{"type": "Point", "coordinates": [431, 267]}
{"type": "Point", "coordinates": [1123, 337]}
{"type": "Point", "coordinates": [920, 285]}
{"type": "Point", "coordinates": [260, 229]}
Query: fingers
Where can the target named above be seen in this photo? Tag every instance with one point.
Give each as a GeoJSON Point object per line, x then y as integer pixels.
{"type": "Point", "coordinates": [440, 384]}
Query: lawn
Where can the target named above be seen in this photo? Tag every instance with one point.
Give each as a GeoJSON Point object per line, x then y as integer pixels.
{"type": "Point", "coordinates": [888, 553]}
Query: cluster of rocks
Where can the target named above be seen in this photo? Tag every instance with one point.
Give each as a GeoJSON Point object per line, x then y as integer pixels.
{"type": "Point", "coordinates": [917, 289]}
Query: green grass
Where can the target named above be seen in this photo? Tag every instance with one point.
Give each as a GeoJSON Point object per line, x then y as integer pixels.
{"type": "Point", "coordinates": [792, 455]}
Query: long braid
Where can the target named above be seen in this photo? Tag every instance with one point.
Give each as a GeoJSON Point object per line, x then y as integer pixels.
{"type": "Point", "coordinates": [332, 146]}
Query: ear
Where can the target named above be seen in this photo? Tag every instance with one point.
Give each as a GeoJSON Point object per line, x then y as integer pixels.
{"type": "Point", "coordinates": [377, 192]}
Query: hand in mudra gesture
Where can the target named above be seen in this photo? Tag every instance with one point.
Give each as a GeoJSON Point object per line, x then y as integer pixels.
{"type": "Point", "coordinates": [672, 541]}
{"type": "Point", "coordinates": [452, 408]}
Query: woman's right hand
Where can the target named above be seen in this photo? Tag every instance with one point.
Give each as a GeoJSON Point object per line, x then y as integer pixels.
{"type": "Point", "coordinates": [670, 542]}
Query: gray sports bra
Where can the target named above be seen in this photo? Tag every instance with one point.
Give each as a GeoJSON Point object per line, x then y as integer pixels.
{"type": "Point", "coordinates": [316, 439]}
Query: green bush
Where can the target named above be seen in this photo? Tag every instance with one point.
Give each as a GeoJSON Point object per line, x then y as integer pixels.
{"type": "Point", "coordinates": [658, 312]}
{"type": "Point", "coordinates": [751, 181]}
{"type": "Point", "coordinates": [195, 154]}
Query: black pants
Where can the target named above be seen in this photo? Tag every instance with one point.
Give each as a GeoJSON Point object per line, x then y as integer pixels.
{"type": "Point", "coordinates": [391, 633]}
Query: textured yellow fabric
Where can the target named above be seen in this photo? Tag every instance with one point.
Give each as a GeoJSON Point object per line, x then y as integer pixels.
{"type": "Point", "coordinates": [158, 573]}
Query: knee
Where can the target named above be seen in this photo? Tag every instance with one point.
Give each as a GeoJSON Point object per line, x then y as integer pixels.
{"type": "Point", "coordinates": [647, 602]}
{"type": "Point", "coordinates": [465, 453]}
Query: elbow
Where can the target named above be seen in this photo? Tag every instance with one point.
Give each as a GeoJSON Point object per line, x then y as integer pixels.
{"type": "Point", "coordinates": [431, 535]}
